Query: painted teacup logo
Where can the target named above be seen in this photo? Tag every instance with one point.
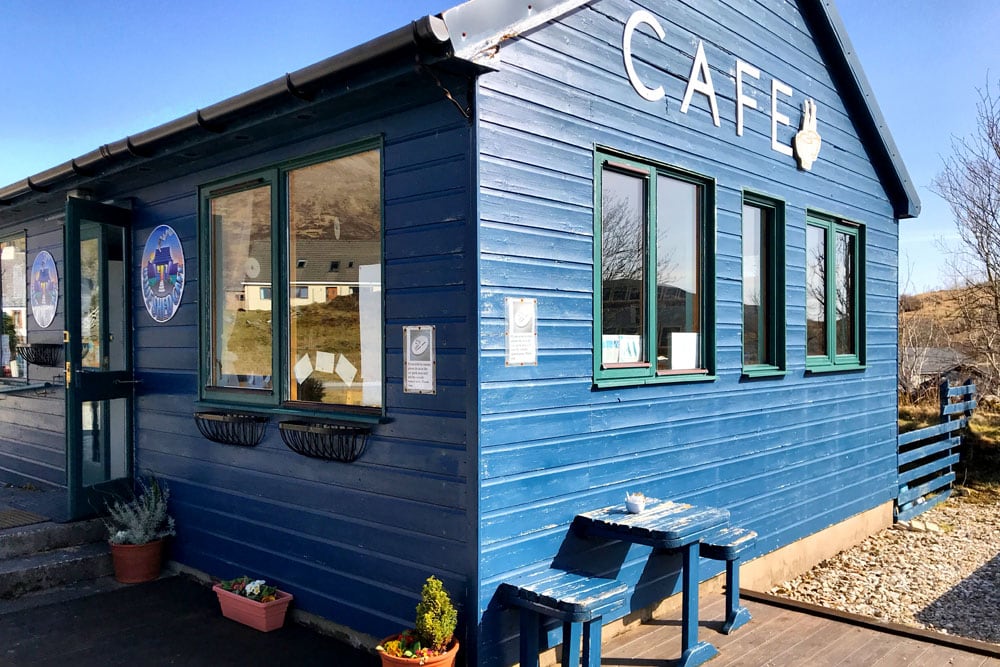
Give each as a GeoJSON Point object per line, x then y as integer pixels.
{"type": "Point", "coordinates": [807, 140]}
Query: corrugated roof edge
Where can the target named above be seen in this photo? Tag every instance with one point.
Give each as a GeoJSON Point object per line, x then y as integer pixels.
{"type": "Point", "coordinates": [428, 31]}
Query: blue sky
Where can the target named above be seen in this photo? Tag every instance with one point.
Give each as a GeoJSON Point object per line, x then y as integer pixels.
{"type": "Point", "coordinates": [78, 74]}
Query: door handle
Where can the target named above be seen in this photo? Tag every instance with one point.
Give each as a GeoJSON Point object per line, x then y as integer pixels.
{"type": "Point", "coordinates": [128, 381]}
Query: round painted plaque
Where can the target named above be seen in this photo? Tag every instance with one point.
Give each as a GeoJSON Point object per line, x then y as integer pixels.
{"type": "Point", "coordinates": [161, 273]}
{"type": "Point", "coordinates": [44, 289]}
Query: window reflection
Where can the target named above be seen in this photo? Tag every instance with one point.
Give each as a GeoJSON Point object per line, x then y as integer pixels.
{"type": "Point", "coordinates": [623, 268]}
{"type": "Point", "coordinates": [755, 307]}
{"type": "Point", "coordinates": [241, 228]}
{"type": "Point", "coordinates": [816, 343]}
{"type": "Point", "coordinates": [845, 294]}
{"type": "Point", "coordinates": [678, 297]}
{"type": "Point", "coordinates": [335, 316]}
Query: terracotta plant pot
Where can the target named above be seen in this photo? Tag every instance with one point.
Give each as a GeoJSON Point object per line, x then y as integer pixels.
{"type": "Point", "coordinates": [263, 616]}
{"type": "Point", "coordinates": [443, 660]}
{"type": "Point", "coordinates": [136, 563]}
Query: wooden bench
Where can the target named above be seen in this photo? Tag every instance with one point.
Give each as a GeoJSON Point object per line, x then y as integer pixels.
{"type": "Point", "coordinates": [578, 600]}
{"type": "Point", "coordinates": [728, 544]}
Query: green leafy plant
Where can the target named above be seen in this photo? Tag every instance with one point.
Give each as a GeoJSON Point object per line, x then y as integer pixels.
{"type": "Point", "coordinates": [435, 626]}
{"type": "Point", "coordinates": [256, 589]}
{"type": "Point", "coordinates": [142, 519]}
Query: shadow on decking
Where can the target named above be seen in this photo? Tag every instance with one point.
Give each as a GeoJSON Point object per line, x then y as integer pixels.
{"type": "Point", "coordinates": [969, 609]}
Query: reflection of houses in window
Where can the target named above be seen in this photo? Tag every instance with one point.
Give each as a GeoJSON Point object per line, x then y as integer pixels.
{"type": "Point", "coordinates": [324, 270]}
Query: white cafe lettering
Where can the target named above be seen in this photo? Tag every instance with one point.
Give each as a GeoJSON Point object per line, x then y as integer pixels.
{"type": "Point", "coordinates": [700, 82]}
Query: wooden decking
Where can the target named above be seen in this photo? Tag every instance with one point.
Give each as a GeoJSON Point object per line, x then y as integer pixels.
{"type": "Point", "coordinates": [780, 636]}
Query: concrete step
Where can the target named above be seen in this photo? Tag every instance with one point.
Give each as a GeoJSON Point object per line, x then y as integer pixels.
{"type": "Point", "coordinates": [60, 594]}
{"type": "Point", "coordinates": [56, 567]}
{"type": "Point", "coordinates": [47, 536]}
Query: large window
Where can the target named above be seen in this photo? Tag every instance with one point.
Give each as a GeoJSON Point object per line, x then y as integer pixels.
{"type": "Point", "coordinates": [282, 328]}
{"type": "Point", "coordinates": [654, 273]}
{"type": "Point", "coordinates": [763, 286]}
{"type": "Point", "coordinates": [12, 300]}
{"type": "Point", "coordinates": [834, 294]}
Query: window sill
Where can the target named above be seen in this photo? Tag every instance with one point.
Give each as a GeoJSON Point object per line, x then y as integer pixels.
{"type": "Point", "coordinates": [763, 372]}
{"type": "Point", "coordinates": [612, 383]}
{"type": "Point", "coordinates": [822, 369]}
{"type": "Point", "coordinates": [372, 416]}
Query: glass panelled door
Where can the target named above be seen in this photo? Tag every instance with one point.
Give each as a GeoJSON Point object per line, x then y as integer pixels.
{"type": "Point", "coordinates": [99, 380]}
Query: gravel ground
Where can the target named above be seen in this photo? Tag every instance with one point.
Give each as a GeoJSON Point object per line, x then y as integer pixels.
{"type": "Point", "coordinates": [946, 580]}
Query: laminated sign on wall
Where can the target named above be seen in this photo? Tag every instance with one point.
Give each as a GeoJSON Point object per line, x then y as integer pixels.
{"type": "Point", "coordinates": [419, 361]}
{"type": "Point", "coordinates": [522, 332]}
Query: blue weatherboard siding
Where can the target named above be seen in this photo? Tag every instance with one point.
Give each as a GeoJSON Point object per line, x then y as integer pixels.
{"type": "Point", "coordinates": [786, 456]}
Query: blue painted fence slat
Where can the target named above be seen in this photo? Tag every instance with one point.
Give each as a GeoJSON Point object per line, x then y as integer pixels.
{"type": "Point", "coordinates": [929, 502]}
{"type": "Point", "coordinates": [962, 390]}
{"type": "Point", "coordinates": [960, 408]}
{"type": "Point", "coordinates": [927, 469]}
{"type": "Point", "coordinates": [929, 432]}
{"type": "Point", "coordinates": [928, 450]}
{"type": "Point", "coordinates": [911, 494]}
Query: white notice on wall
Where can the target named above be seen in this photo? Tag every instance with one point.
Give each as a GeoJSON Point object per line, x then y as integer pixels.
{"type": "Point", "coordinates": [419, 360]}
{"type": "Point", "coordinates": [522, 332]}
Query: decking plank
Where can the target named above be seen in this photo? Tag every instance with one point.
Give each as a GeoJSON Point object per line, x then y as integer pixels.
{"type": "Point", "coordinates": [787, 637]}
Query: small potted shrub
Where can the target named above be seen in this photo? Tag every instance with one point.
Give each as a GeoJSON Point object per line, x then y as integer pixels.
{"type": "Point", "coordinates": [137, 530]}
{"type": "Point", "coordinates": [253, 603]}
{"type": "Point", "coordinates": [432, 641]}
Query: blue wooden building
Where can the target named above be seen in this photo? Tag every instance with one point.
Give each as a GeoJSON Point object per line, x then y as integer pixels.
{"type": "Point", "coordinates": [538, 255]}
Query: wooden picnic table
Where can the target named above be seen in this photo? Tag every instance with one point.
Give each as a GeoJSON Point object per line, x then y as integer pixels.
{"type": "Point", "coordinates": [665, 524]}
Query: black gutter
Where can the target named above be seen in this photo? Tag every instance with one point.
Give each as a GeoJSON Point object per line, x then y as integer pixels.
{"type": "Point", "coordinates": [428, 32]}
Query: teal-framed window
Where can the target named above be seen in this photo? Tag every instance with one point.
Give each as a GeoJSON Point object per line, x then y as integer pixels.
{"type": "Point", "coordinates": [278, 330]}
{"type": "Point", "coordinates": [654, 276]}
{"type": "Point", "coordinates": [835, 295]}
{"type": "Point", "coordinates": [14, 303]}
{"type": "Point", "coordinates": [763, 260]}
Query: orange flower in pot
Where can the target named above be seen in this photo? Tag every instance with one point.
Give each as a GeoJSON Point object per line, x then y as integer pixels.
{"type": "Point", "coordinates": [432, 642]}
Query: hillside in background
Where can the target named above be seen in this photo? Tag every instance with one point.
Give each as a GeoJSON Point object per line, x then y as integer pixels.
{"type": "Point", "coordinates": [955, 332]}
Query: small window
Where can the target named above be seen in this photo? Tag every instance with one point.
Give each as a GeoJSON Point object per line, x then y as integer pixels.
{"type": "Point", "coordinates": [265, 293]}
{"type": "Point", "coordinates": [334, 266]}
{"type": "Point", "coordinates": [834, 294]}
{"type": "Point", "coordinates": [655, 273]}
{"type": "Point", "coordinates": [300, 264]}
{"type": "Point", "coordinates": [763, 286]}
{"type": "Point", "coordinates": [300, 292]}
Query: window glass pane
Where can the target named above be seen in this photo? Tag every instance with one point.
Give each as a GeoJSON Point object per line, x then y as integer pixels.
{"type": "Point", "coordinates": [816, 343]}
{"type": "Point", "coordinates": [12, 294]}
{"type": "Point", "coordinates": [241, 254]}
{"type": "Point", "coordinates": [623, 267]}
{"type": "Point", "coordinates": [678, 316]}
{"type": "Point", "coordinates": [845, 294]}
{"type": "Point", "coordinates": [756, 310]}
{"type": "Point", "coordinates": [335, 319]}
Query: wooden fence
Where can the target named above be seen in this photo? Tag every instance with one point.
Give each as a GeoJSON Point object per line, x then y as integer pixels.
{"type": "Point", "coordinates": [926, 457]}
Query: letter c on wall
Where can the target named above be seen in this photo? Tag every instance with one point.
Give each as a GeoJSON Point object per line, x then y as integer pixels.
{"type": "Point", "coordinates": [641, 16]}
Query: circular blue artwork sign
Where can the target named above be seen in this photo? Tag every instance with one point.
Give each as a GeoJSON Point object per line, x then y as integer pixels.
{"type": "Point", "coordinates": [44, 289]}
{"type": "Point", "coordinates": [161, 273]}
